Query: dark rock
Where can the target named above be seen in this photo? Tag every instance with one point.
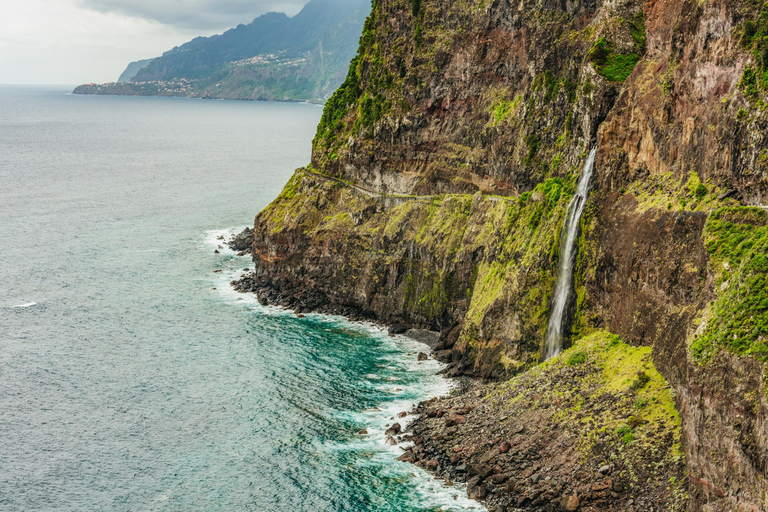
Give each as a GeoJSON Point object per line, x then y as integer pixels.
{"type": "Point", "coordinates": [448, 338]}
{"type": "Point", "coordinates": [483, 471]}
{"type": "Point", "coordinates": [396, 329]}
{"type": "Point", "coordinates": [242, 242]}
{"type": "Point", "coordinates": [726, 194]}
{"type": "Point", "coordinates": [407, 457]}
{"type": "Point", "coordinates": [602, 486]}
{"type": "Point", "coordinates": [500, 478]}
{"type": "Point", "coordinates": [430, 338]}
{"type": "Point", "coordinates": [393, 430]}
{"type": "Point", "coordinates": [454, 419]}
{"type": "Point", "coordinates": [216, 251]}
{"type": "Point", "coordinates": [422, 356]}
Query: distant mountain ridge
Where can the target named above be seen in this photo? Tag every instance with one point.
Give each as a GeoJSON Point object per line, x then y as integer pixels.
{"type": "Point", "coordinates": [132, 69]}
{"type": "Point", "coordinates": [275, 57]}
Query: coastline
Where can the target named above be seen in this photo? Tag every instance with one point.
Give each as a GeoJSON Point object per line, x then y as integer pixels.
{"type": "Point", "coordinates": [560, 436]}
{"type": "Point", "coordinates": [397, 437]}
{"type": "Point", "coordinates": [128, 89]}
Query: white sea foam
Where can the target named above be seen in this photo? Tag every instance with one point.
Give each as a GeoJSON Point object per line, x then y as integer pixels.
{"type": "Point", "coordinates": [376, 421]}
{"type": "Point", "coordinates": [212, 239]}
{"type": "Point", "coordinates": [25, 305]}
{"type": "Point", "coordinates": [404, 357]}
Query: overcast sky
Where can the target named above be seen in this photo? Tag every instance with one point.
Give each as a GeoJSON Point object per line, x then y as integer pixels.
{"type": "Point", "coordinates": [80, 41]}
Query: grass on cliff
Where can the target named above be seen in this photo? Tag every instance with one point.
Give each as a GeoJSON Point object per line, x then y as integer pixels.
{"type": "Point", "coordinates": [668, 192]}
{"type": "Point", "coordinates": [754, 38]}
{"type": "Point", "coordinates": [737, 240]}
{"type": "Point", "coordinates": [363, 93]}
{"type": "Point", "coordinates": [613, 66]}
{"type": "Point", "coordinates": [624, 371]}
{"type": "Point", "coordinates": [609, 399]}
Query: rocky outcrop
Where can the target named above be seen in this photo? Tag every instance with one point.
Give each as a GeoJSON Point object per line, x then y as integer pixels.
{"type": "Point", "coordinates": [686, 106]}
{"type": "Point", "coordinates": [593, 430]}
{"type": "Point", "coordinates": [242, 242]}
{"type": "Point", "coordinates": [440, 173]}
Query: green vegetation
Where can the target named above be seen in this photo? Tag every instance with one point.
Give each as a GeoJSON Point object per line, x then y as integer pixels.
{"type": "Point", "coordinates": [532, 141]}
{"type": "Point", "coordinates": [372, 108]}
{"type": "Point", "coordinates": [551, 86]}
{"type": "Point", "coordinates": [588, 87]}
{"type": "Point", "coordinates": [338, 105]}
{"type": "Point", "coordinates": [754, 38]}
{"type": "Point", "coordinates": [626, 433]}
{"type": "Point", "coordinates": [586, 394]}
{"type": "Point", "coordinates": [637, 29]}
{"type": "Point", "coordinates": [751, 84]}
{"type": "Point", "coordinates": [666, 192]}
{"type": "Point", "coordinates": [615, 67]}
{"type": "Point", "coordinates": [501, 109]}
{"type": "Point", "coordinates": [737, 240]}
{"type": "Point", "coordinates": [418, 21]}
{"type": "Point", "coordinates": [576, 358]}
{"type": "Point", "coordinates": [364, 96]}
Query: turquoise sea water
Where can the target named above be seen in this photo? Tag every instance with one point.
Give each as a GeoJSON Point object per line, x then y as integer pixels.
{"type": "Point", "coordinates": [131, 376]}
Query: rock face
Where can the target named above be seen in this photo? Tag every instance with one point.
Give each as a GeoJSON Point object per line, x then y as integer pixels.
{"type": "Point", "coordinates": [540, 441]}
{"type": "Point", "coordinates": [440, 173]}
{"type": "Point", "coordinates": [242, 242]}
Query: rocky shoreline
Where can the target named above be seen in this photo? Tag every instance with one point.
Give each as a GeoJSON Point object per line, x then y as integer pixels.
{"type": "Point", "coordinates": [573, 434]}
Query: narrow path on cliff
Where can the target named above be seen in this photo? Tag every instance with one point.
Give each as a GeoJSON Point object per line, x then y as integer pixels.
{"type": "Point", "coordinates": [372, 193]}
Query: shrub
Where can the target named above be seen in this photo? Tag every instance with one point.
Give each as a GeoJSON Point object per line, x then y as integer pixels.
{"type": "Point", "coordinates": [640, 381]}
{"type": "Point", "coordinates": [615, 67]}
{"type": "Point", "coordinates": [626, 433]}
{"type": "Point", "coordinates": [576, 358]}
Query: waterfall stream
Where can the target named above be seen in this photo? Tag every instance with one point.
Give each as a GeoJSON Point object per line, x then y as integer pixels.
{"type": "Point", "coordinates": [568, 251]}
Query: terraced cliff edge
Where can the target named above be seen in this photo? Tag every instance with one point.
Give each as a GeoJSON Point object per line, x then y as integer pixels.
{"type": "Point", "coordinates": [440, 175]}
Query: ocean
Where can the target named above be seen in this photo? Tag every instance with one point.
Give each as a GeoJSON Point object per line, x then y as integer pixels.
{"type": "Point", "coordinates": [132, 377]}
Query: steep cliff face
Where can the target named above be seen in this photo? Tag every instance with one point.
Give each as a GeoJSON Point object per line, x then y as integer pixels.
{"type": "Point", "coordinates": [442, 167]}
{"type": "Point", "coordinates": [449, 97]}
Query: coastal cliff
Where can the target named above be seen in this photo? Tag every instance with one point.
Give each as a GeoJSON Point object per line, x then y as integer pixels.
{"type": "Point", "coordinates": [440, 175]}
{"type": "Point", "coordinates": [275, 58]}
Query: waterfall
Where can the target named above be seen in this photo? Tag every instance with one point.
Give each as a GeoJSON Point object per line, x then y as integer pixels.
{"type": "Point", "coordinates": [568, 251]}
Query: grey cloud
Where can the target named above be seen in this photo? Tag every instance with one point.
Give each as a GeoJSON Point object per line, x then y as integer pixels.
{"type": "Point", "coordinates": [196, 14]}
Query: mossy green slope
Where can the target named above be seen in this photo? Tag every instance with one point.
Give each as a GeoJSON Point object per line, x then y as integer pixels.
{"type": "Point", "coordinates": [463, 260]}
{"type": "Point", "coordinates": [598, 422]}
